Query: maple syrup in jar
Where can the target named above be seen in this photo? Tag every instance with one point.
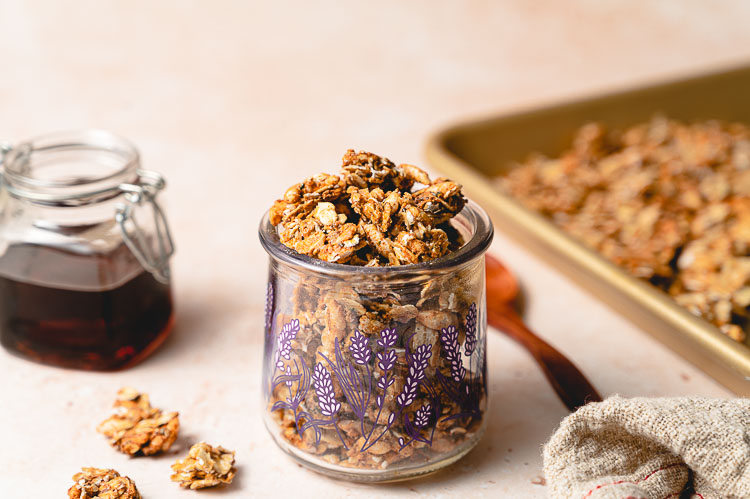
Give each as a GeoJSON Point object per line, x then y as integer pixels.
{"type": "Point", "coordinates": [84, 253]}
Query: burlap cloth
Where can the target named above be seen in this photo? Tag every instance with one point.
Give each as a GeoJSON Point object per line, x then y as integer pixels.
{"type": "Point", "coordinates": [654, 448]}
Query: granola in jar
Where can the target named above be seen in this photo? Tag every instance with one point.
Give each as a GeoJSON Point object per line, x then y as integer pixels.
{"type": "Point", "coordinates": [667, 201]}
{"type": "Point", "coordinates": [375, 321]}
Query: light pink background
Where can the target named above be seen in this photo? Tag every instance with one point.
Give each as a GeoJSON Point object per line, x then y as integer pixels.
{"type": "Point", "coordinates": [234, 102]}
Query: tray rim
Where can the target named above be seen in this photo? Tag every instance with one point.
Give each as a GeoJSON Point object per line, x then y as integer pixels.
{"type": "Point", "coordinates": [577, 98]}
{"type": "Point", "coordinates": [734, 355]}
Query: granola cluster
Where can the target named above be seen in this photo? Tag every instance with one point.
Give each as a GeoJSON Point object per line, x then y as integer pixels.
{"type": "Point", "coordinates": [136, 428]}
{"type": "Point", "coordinates": [371, 214]}
{"type": "Point", "coordinates": [96, 483]}
{"type": "Point", "coordinates": [205, 466]}
{"type": "Point", "coordinates": [667, 201]}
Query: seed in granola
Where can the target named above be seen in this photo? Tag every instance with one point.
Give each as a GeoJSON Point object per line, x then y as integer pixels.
{"type": "Point", "coordinates": [92, 483]}
{"type": "Point", "coordinates": [136, 428]}
{"type": "Point", "coordinates": [204, 466]}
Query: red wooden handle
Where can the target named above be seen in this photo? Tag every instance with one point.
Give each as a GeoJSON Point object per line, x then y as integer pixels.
{"type": "Point", "coordinates": [570, 384]}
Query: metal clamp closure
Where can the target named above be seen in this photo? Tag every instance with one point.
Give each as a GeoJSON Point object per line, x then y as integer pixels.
{"type": "Point", "coordinates": [5, 148]}
{"type": "Point", "coordinates": [152, 255]}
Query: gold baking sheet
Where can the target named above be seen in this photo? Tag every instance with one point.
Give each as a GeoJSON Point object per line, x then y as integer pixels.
{"type": "Point", "coordinates": [473, 152]}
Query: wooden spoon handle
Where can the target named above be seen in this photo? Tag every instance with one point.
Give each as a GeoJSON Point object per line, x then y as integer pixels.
{"type": "Point", "coordinates": [570, 384]}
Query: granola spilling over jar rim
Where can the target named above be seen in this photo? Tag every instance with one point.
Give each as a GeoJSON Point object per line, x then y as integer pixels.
{"type": "Point", "coordinates": [667, 201]}
{"type": "Point", "coordinates": [375, 347]}
{"type": "Point", "coordinates": [371, 214]}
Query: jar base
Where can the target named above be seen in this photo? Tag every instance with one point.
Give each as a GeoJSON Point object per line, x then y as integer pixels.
{"type": "Point", "coordinates": [86, 365]}
{"type": "Point", "coordinates": [375, 476]}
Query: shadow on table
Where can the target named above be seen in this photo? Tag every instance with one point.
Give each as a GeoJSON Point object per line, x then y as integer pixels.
{"type": "Point", "coordinates": [199, 321]}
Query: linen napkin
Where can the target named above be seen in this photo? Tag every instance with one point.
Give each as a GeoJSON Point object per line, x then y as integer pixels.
{"type": "Point", "coordinates": [653, 448]}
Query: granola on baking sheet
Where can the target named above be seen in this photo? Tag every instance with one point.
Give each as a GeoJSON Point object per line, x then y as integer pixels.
{"type": "Point", "coordinates": [98, 483]}
{"type": "Point", "coordinates": [136, 428]}
{"type": "Point", "coordinates": [374, 371]}
{"type": "Point", "coordinates": [667, 201]}
{"type": "Point", "coordinates": [204, 466]}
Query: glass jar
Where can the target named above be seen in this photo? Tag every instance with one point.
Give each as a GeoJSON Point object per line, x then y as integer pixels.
{"type": "Point", "coordinates": [377, 374]}
{"type": "Point", "coordinates": [84, 252]}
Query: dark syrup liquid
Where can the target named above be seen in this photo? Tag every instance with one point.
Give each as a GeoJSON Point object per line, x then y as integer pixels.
{"type": "Point", "coordinates": [107, 314]}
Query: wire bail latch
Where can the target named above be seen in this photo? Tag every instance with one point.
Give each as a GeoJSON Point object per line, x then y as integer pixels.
{"type": "Point", "coordinates": [152, 255]}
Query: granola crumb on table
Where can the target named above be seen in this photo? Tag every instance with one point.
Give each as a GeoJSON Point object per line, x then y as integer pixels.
{"type": "Point", "coordinates": [136, 428]}
{"type": "Point", "coordinates": [97, 483]}
{"type": "Point", "coordinates": [667, 201]}
{"type": "Point", "coordinates": [205, 466]}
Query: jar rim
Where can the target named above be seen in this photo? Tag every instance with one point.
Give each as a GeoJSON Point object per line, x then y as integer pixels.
{"type": "Point", "coordinates": [478, 243]}
{"type": "Point", "coordinates": [91, 187]}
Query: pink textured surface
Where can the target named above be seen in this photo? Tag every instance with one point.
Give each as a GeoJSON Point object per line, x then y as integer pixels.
{"type": "Point", "coordinates": [233, 103]}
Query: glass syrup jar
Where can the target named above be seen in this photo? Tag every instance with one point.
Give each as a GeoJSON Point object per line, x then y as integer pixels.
{"type": "Point", "coordinates": [377, 374]}
{"type": "Point", "coordinates": [84, 252]}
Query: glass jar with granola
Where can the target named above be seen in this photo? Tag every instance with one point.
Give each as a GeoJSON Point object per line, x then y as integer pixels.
{"type": "Point", "coordinates": [375, 365]}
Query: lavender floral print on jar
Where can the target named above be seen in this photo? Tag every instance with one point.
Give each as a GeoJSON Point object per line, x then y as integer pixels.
{"type": "Point", "coordinates": [378, 374]}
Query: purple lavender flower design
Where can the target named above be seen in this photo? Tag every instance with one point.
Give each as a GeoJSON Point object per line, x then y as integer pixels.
{"type": "Point", "coordinates": [288, 372]}
{"type": "Point", "coordinates": [417, 365]}
{"type": "Point", "coordinates": [419, 361]}
{"type": "Point", "coordinates": [269, 306]}
{"type": "Point", "coordinates": [471, 330]}
{"type": "Point", "coordinates": [422, 416]}
{"type": "Point", "coordinates": [327, 402]}
{"type": "Point", "coordinates": [388, 338]}
{"type": "Point", "coordinates": [352, 383]}
{"type": "Point", "coordinates": [449, 339]}
{"type": "Point", "coordinates": [458, 387]}
{"type": "Point", "coordinates": [299, 378]}
{"type": "Point", "coordinates": [355, 377]}
{"type": "Point", "coordinates": [269, 343]}
{"type": "Point", "coordinates": [288, 333]}
{"type": "Point", "coordinates": [360, 348]}
{"type": "Point", "coordinates": [386, 360]}
{"type": "Point", "coordinates": [298, 383]}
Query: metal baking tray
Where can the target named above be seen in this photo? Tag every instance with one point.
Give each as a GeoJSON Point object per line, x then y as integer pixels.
{"type": "Point", "coordinates": [474, 152]}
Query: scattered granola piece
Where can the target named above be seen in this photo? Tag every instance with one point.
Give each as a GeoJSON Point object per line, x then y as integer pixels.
{"type": "Point", "coordinates": [137, 428]}
{"type": "Point", "coordinates": [370, 214]}
{"type": "Point", "coordinates": [92, 483]}
{"type": "Point", "coordinates": [205, 466]}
